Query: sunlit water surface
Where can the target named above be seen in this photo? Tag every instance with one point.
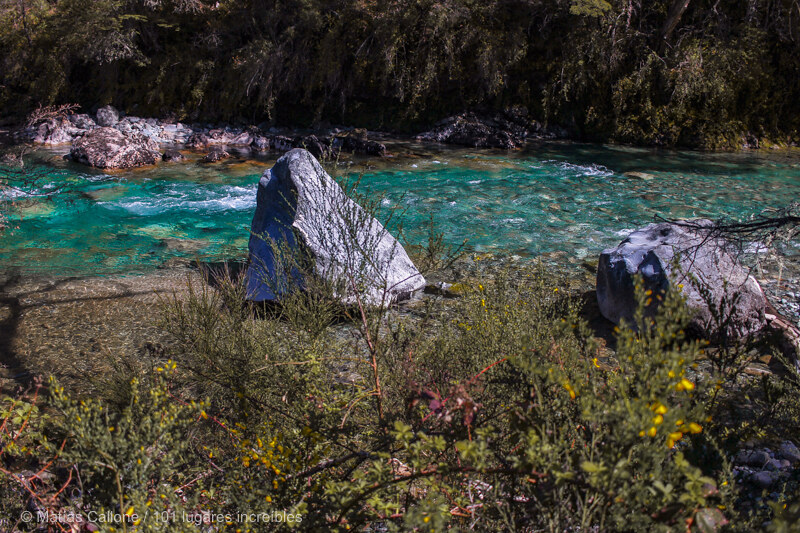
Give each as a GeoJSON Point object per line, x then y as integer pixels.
{"type": "Point", "coordinates": [563, 202]}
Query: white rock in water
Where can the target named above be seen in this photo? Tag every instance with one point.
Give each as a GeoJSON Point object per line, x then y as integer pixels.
{"type": "Point", "coordinates": [701, 255]}
{"type": "Point", "coordinates": [303, 213]}
{"type": "Point", "coordinates": [110, 148]}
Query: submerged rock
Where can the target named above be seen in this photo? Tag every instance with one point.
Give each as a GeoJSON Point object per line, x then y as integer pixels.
{"type": "Point", "coordinates": [639, 175]}
{"type": "Point", "coordinates": [110, 148]}
{"type": "Point", "coordinates": [701, 256]}
{"type": "Point", "coordinates": [306, 228]}
{"type": "Point", "coordinates": [172, 155]}
{"type": "Point", "coordinates": [215, 155]}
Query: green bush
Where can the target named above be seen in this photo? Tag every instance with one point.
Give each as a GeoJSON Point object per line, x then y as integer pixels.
{"type": "Point", "coordinates": [498, 410]}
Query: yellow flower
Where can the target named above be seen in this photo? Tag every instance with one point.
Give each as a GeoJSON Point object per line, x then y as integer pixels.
{"type": "Point", "coordinates": [570, 390]}
{"type": "Point", "coordinates": [695, 428]}
{"type": "Point", "coordinates": [660, 408]}
{"type": "Point", "coordinates": [595, 363]}
{"type": "Point", "coordinates": [673, 438]}
{"type": "Point", "coordinates": [652, 431]}
{"type": "Point", "coordinates": [426, 519]}
{"type": "Point", "coordinates": [684, 384]}
{"type": "Point", "coordinates": [129, 512]}
{"type": "Point", "coordinates": [641, 433]}
{"type": "Point", "coordinates": [658, 419]}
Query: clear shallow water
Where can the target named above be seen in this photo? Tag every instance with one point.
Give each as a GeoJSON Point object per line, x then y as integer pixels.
{"type": "Point", "coordinates": [562, 201]}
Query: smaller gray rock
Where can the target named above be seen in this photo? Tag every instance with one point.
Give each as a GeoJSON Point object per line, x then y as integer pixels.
{"type": "Point", "coordinates": [358, 144]}
{"type": "Point", "coordinates": [260, 144]}
{"type": "Point", "coordinates": [756, 458]}
{"type": "Point", "coordinates": [56, 131]}
{"type": "Point", "coordinates": [172, 155]}
{"type": "Point", "coordinates": [652, 253]}
{"type": "Point", "coordinates": [215, 155]}
{"type": "Point", "coordinates": [644, 176]}
{"type": "Point", "coordinates": [242, 139]}
{"type": "Point", "coordinates": [83, 121]}
{"type": "Point", "coordinates": [765, 479]}
{"type": "Point", "coordinates": [197, 140]}
{"type": "Point", "coordinates": [281, 143]}
{"type": "Point", "coordinates": [107, 116]}
{"type": "Point", "coordinates": [789, 452]}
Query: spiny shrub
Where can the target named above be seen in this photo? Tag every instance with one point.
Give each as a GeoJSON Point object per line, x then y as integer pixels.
{"type": "Point", "coordinates": [498, 410]}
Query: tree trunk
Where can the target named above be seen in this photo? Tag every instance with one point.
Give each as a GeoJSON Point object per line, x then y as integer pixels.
{"type": "Point", "coordinates": [674, 15]}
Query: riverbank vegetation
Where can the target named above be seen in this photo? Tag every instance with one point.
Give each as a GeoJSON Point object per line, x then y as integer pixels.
{"type": "Point", "coordinates": [678, 72]}
{"type": "Point", "coordinates": [500, 409]}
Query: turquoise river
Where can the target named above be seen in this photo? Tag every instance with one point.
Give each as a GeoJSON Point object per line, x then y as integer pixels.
{"type": "Point", "coordinates": [558, 200]}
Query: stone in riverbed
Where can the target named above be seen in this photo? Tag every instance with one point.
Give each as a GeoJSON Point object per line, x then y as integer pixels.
{"type": "Point", "coordinates": [757, 458]}
{"type": "Point", "coordinates": [215, 155]}
{"type": "Point", "coordinates": [83, 121]}
{"type": "Point", "coordinates": [107, 116]}
{"type": "Point", "coordinates": [110, 148]}
{"type": "Point", "coordinates": [56, 131]}
{"type": "Point", "coordinates": [172, 155]}
{"type": "Point", "coordinates": [197, 140]}
{"type": "Point", "coordinates": [357, 143]}
{"type": "Point", "coordinates": [639, 175]}
{"type": "Point", "coordinates": [789, 452]}
{"type": "Point", "coordinates": [302, 213]}
{"type": "Point", "coordinates": [260, 144]}
{"type": "Point", "coordinates": [701, 255]}
{"type": "Point", "coordinates": [508, 130]}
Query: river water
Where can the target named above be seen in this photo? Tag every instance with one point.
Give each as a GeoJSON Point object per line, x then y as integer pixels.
{"type": "Point", "coordinates": [561, 201]}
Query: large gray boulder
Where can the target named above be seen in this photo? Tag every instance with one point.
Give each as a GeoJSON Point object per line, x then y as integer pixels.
{"type": "Point", "coordinates": [306, 228]}
{"type": "Point", "coordinates": [110, 148]}
{"type": "Point", "coordinates": [703, 257]}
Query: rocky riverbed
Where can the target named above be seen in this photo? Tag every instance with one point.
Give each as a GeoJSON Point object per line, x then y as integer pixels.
{"type": "Point", "coordinates": [507, 130]}
{"type": "Point", "coordinates": [81, 129]}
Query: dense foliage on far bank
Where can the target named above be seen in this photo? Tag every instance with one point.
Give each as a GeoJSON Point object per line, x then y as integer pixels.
{"type": "Point", "coordinates": [666, 72]}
